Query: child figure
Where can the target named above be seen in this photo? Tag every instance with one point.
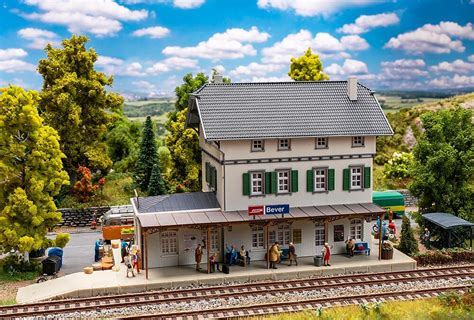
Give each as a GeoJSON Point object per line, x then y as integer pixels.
{"type": "Point", "coordinates": [128, 264]}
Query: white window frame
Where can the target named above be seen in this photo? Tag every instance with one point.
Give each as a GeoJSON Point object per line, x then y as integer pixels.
{"type": "Point", "coordinates": [215, 240]}
{"type": "Point", "coordinates": [258, 237]}
{"type": "Point", "coordinates": [356, 178]}
{"type": "Point", "coordinates": [319, 234]}
{"type": "Point", "coordinates": [284, 144]}
{"type": "Point", "coordinates": [282, 234]}
{"type": "Point", "coordinates": [281, 181]}
{"type": "Point", "coordinates": [254, 188]}
{"type": "Point", "coordinates": [317, 179]}
{"type": "Point", "coordinates": [357, 229]}
{"type": "Point", "coordinates": [257, 145]}
{"type": "Point", "coordinates": [169, 242]}
{"type": "Point", "coordinates": [322, 143]}
{"type": "Point", "coordinates": [358, 141]}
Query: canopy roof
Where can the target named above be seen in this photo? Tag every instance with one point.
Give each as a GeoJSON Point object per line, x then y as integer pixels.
{"type": "Point", "coordinates": [446, 220]}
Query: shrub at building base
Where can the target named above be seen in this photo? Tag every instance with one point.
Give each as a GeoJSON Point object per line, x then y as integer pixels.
{"type": "Point", "coordinates": [437, 257]}
{"type": "Point", "coordinates": [408, 243]}
{"type": "Point", "coordinates": [15, 264]}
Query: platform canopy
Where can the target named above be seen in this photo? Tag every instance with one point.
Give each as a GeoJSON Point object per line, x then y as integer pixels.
{"type": "Point", "coordinates": [446, 220]}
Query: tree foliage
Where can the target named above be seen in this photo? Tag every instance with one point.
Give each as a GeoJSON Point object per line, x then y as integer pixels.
{"type": "Point", "coordinates": [84, 189]}
{"type": "Point", "coordinates": [147, 157]}
{"type": "Point", "coordinates": [156, 186]}
{"type": "Point", "coordinates": [408, 243]}
{"type": "Point", "coordinates": [31, 172]}
{"type": "Point", "coordinates": [443, 174]}
{"type": "Point", "coordinates": [123, 139]}
{"type": "Point", "coordinates": [307, 67]}
{"type": "Point", "coordinates": [75, 102]}
{"type": "Point", "coordinates": [399, 166]}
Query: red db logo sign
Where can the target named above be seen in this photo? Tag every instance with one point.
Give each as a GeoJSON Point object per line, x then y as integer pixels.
{"type": "Point", "coordinates": [255, 211]}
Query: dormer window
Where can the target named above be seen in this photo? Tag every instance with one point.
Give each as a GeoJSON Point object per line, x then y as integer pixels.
{"type": "Point", "coordinates": [257, 145]}
{"type": "Point", "coordinates": [321, 143]}
{"type": "Point", "coordinates": [357, 141]}
{"type": "Point", "coordinates": [283, 144]}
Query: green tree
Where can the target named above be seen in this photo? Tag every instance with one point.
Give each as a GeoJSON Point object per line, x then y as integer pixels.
{"type": "Point", "coordinates": [443, 174]}
{"type": "Point", "coordinates": [123, 139]}
{"type": "Point", "coordinates": [31, 172]}
{"type": "Point", "coordinates": [147, 157]}
{"type": "Point", "coordinates": [75, 102]}
{"type": "Point", "coordinates": [156, 186]}
{"type": "Point", "coordinates": [307, 67]}
{"type": "Point", "coordinates": [408, 243]}
{"type": "Point", "coordinates": [398, 168]}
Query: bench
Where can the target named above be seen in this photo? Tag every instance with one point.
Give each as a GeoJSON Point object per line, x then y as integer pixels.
{"type": "Point", "coordinates": [362, 247]}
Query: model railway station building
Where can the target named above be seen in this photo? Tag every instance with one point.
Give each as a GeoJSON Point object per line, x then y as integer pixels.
{"type": "Point", "coordinates": [287, 161]}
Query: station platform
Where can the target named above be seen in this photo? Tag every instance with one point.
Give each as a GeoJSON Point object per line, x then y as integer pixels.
{"type": "Point", "coordinates": [80, 285]}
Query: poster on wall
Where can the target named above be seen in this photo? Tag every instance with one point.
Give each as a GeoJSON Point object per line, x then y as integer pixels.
{"type": "Point", "coordinates": [190, 242]}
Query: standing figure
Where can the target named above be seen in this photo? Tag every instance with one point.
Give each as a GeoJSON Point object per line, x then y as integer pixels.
{"type": "Point", "coordinates": [136, 259]}
{"type": "Point", "coordinates": [427, 239]}
{"type": "Point", "coordinates": [326, 254]}
{"type": "Point", "coordinates": [198, 257]}
{"type": "Point", "coordinates": [274, 255]}
{"type": "Point", "coordinates": [128, 263]}
{"type": "Point", "coordinates": [350, 246]}
{"type": "Point", "coordinates": [124, 249]}
{"type": "Point", "coordinates": [98, 244]}
{"type": "Point", "coordinates": [292, 253]}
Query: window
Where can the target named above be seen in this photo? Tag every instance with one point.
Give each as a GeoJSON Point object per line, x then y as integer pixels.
{"type": "Point", "coordinates": [169, 242]}
{"type": "Point", "coordinates": [338, 233]}
{"type": "Point", "coordinates": [284, 144]}
{"type": "Point", "coordinates": [321, 143]}
{"type": "Point", "coordinates": [297, 236]}
{"type": "Point", "coordinates": [257, 145]}
{"type": "Point", "coordinates": [257, 237]}
{"type": "Point", "coordinates": [357, 141]}
{"type": "Point", "coordinates": [283, 181]}
{"type": "Point", "coordinates": [356, 177]}
{"type": "Point", "coordinates": [282, 235]}
{"type": "Point", "coordinates": [319, 234]}
{"type": "Point", "coordinates": [356, 229]}
{"type": "Point", "coordinates": [320, 179]}
{"type": "Point", "coordinates": [257, 183]}
{"type": "Point", "coordinates": [215, 240]}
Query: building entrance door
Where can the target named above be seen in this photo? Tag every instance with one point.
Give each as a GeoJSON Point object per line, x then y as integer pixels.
{"type": "Point", "coordinates": [319, 237]}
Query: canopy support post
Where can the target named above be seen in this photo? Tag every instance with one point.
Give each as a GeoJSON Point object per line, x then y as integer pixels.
{"type": "Point", "coordinates": [381, 235]}
{"type": "Point", "coordinates": [267, 247]}
{"type": "Point", "coordinates": [208, 248]}
{"type": "Point", "coordinates": [146, 252]}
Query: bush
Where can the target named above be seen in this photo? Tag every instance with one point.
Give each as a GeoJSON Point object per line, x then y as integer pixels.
{"type": "Point", "coordinates": [62, 239]}
{"type": "Point", "coordinates": [408, 243]}
{"type": "Point", "coordinates": [436, 257]}
{"type": "Point", "coordinates": [15, 264]}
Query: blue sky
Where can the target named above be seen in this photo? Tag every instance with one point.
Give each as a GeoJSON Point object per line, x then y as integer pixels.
{"type": "Point", "coordinates": [148, 45]}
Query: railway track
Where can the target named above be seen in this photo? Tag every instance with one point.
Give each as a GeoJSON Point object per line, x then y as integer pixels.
{"type": "Point", "coordinates": [218, 292]}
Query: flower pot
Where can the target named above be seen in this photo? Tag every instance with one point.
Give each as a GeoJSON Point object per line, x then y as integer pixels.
{"type": "Point", "coordinates": [387, 254]}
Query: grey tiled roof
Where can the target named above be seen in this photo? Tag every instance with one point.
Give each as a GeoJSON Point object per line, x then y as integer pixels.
{"type": "Point", "coordinates": [178, 202]}
{"type": "Point", "coordinates": [288, 109]}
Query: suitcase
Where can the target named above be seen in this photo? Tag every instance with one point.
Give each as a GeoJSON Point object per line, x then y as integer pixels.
{"type": "Point", "coordinates": [225, 269]}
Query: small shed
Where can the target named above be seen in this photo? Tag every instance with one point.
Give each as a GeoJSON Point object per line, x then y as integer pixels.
{"type": "Point", "coordinates": [454, 229]}
{"type": "Point", "coordinates": [390, 200]}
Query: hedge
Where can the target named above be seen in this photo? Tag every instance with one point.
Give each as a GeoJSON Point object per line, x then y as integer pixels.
{"type": "Point", "coordinates": [434, 257]}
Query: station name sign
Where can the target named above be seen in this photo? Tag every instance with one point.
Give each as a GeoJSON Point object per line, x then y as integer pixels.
{"type": "Point", "coordinates": [270, 209]}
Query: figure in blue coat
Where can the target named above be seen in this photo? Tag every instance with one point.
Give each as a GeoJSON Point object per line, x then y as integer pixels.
{"type": "Point", "coordinates": [98, 244]}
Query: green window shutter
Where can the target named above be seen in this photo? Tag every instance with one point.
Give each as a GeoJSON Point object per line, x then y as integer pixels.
{"type": "Point", "coordinates": [246, 183]}
{"type": "Point", "coordinates": [294, 180]}
{"type": "Point", "coordinates": [211, 176]}
{"type": "Point", "coordinates": [331, 179]}
{"type": "Point", "coordinates": [309, 180]}
{"type": "Point", "coordinates": [207, 172]}
{"type": "Point", "coordinates": [367, 172]}
{"type": "Point", "coordinates": [214, 181]}
{"type": "Point", "coordinates": [274, 182]}
{"type": "Point", "coordinates": [346, 179]}
{"type": "Point", "coordinates": [268, 182]}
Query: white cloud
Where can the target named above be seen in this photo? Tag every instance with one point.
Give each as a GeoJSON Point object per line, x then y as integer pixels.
{"type": "Point", "coordinates": [99, 17]}
{"type": "Point", "coordinates": [350, 67]}
{"type": "Point", "coordinates": [173, 63]}
{"type": "Point", "coordinates": [188, 4]}
{"type": "Point", "coordinates": [457, 66]}
{"type": "Point", "coordinates": [15, 65]}
{"type": "Point", "coordinates": [471, 57]}
{"type": "Point", "coordinates": [366, 23]}
{"type": "Point", "coordinates": [219, 68]}
{"type": "Point", "coordinates": [105, 60]}
{"type": "Point", "coordinates": [152, 32]}
{"type": "Point", "coordinates": [323, 44]}
{"type": "Point", "coordinates": [433, 38]}
{"type": "Point", "coordinates": [312, 7]}
{"type": "Point", "coordinates": [256, 69]}
{"type": "Point", "coordinates": [115, 66]}
{"type": "Point", "coordinates": [283, 78]}
{"type": "Point", "coordinates": [232, 44]}
{"type": "Point", "coordinates": [144, 86]}
{"type": "Point", "coordinates": [402, 69]}
{"type": "Point", "coordinates": [39, 38]}
{"type": "Point", "coordinates": [457, 81]}
{"type": "Point", "coordinates": [11, 53]}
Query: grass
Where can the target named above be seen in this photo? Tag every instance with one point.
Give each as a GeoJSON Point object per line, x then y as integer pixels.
{"type": "Point", "coordinates": [6, 277]}
{"type": "Point", "coordinates": [395, 103]}
{"type": "Point", "coordinates": [160, 119]}
{"type": "Point", "coordinates": [7, 302]}
{"type": "Point", "coordinates": [452, 307]}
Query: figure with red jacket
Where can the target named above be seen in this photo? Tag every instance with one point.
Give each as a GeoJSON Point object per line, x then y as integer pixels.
{"type": "Point", "coordinates": [326, 254]}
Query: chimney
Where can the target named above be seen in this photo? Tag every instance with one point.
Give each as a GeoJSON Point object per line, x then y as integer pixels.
{"type": "Point", "coordinates": [218, 78]}
{"type": "Point", "coordinates": [352, 88]}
